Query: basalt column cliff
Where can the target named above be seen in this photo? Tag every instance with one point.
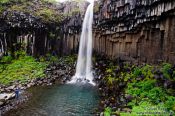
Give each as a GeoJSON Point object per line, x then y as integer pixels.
{"type": "Point", "coordinates": [136, 30]}
{"type": "Point", "coordinates": [40, 27]}
{"type": "Point", "coordinates": [130, 30]}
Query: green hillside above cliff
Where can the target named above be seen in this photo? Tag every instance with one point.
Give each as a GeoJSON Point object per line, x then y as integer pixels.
{"type": "Point", "coordinates": [46, 10]}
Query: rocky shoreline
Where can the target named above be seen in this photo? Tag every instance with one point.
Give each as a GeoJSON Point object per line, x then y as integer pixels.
{"type": "Point", "coordinates": [111, 95]}
{"type": "Point", "coordinates": [114, 79]}
{"type": "Point", "coordinates": [55, 73]}
{"type": "Point", "coordinates": [62, 72]}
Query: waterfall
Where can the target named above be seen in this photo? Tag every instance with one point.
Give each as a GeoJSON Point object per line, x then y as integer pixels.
{"type": "Point", "coordinates": [84, 62]}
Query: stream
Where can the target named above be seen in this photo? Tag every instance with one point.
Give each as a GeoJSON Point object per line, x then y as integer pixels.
{"type": "Point", "coordinates": [59, 100]}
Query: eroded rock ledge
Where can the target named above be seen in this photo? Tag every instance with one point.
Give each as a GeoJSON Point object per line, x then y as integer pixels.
{"type": "Point", "coordinates": [136, 30]}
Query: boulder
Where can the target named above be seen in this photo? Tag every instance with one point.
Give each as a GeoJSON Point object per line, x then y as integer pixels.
{"type": "Point", "coordinates": [11, 88]}
{"type": "Point", "coordinates": [1, 103]}
{"type": "Point", "coordinates": [6, 96]}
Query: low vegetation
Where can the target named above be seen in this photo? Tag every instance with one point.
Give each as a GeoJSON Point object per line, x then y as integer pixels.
{"type": "Point", "coordinates": [21, 68]}
{"type": "Point", "coordinates": [150, 88]}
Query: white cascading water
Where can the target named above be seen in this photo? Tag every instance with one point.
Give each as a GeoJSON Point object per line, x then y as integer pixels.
{"type": "Point", "coordinates": [84, 63]}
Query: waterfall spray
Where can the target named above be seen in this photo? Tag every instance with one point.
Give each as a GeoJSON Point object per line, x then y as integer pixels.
{"type": "Point", "coordinates": [84, 62]}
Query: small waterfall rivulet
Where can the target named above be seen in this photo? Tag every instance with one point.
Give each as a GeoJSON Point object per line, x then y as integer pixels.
{"type": "Point", "coordinates": [84, 62]}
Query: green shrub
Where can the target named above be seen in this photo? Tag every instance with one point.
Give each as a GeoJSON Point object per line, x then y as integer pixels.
{"type": "Point", "coordinates": [170, 103]}
{"type": "Point", "coordinates": [165, 69]}
{"type": "Point", "coordinates": [109, 80]}
{"type": "Point", "coordinates": [20, 54]}
{"type": "Point", "coordinates": [137, 72]}
{"type": "Point", "coordinates": [6, 59]}
{"type": "Point", "coordinates": [107, 111]}
{"type": "Point", "coordinates": [139, 89]}
{"type": "Point", "coordinates": [2, 68]}
{"type": "Point", "coordinates": [146, 71]}
{"type": "Point", "coordinates": [69, 59]}
{"type": "Point", "coordinates": [53, 59]}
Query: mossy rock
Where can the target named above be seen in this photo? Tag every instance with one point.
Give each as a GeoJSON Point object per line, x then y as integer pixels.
{"type": "Point", "coordinates": [43, 9]}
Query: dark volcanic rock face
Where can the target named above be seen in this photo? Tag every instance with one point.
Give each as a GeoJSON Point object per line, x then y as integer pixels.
{"type": "Point", "coordinates": [39, 27]}
{"type": "Point", "coordinates": [136, 30]}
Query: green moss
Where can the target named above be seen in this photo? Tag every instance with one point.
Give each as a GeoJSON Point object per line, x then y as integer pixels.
{"type": "Point", "coordinates": [18, 8]}
{"type": "Point", "coordinates": [74, 11]}
{"type": "Point", "coordinates": [47, 15]}
{"type": "Point", "coordinates": [69, 59]}
{"type": "Point", "coordinates": [21, 69]}
{"type": "Point", "coordinates": [96, 8]}
{"type": "Point", "coordinates": [49, 1]}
